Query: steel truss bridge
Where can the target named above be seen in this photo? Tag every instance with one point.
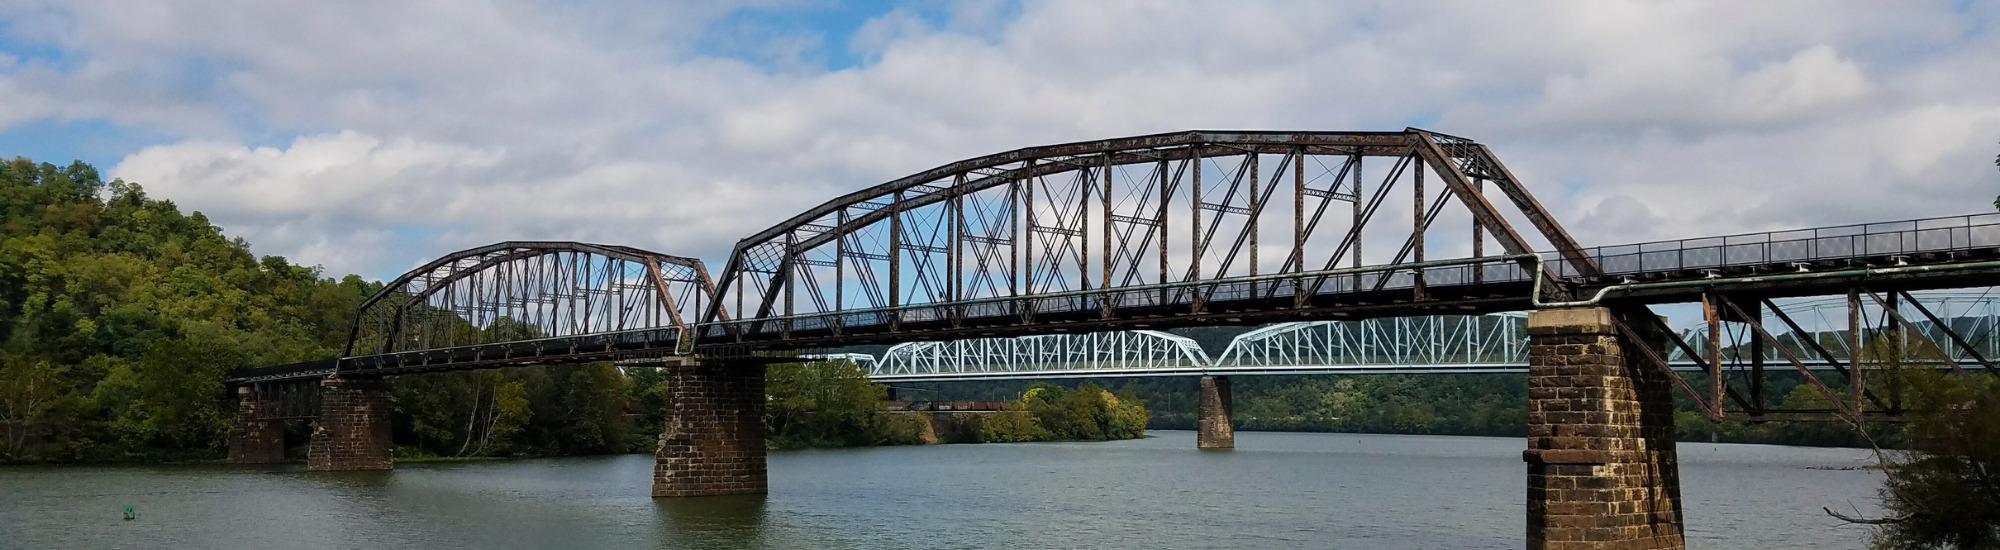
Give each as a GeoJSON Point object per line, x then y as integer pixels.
{"type": "Point", "coordinates": [1173, 230]}
{"type": "Point", "coordinates": [1402, 345]}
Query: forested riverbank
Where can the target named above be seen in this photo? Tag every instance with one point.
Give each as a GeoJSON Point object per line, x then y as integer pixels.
{"type": "Point", "coordinates": [120, 317]}
{"type": "Point", "coordinates": [1429, 404]}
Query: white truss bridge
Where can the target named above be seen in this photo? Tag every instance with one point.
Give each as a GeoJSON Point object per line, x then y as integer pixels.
{"type": "Point", "coordinates": [1435, 344]}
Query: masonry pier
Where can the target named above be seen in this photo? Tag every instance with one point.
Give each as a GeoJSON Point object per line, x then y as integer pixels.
{"type": "Point", "coordinates": [713, 441]}
{"type": "Point", "coordinates": [1601, 464]}
{"type": "Point", "coordinates": [259, 436]}
{"type": "Point", "coordinates": [353, 432]}
{"type": "Point", "coordinates": [1214, 430]}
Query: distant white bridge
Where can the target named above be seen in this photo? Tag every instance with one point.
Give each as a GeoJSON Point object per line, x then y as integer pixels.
{"type": "Point", "coordinates": [1436, 344]}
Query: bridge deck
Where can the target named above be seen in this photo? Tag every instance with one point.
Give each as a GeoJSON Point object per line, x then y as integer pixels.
{"type": "Point", "coordinates": [1935, 253]}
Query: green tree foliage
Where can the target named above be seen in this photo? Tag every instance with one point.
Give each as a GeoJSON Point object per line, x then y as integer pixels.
{"type": "Point", "coordinates": [120, 316]}
{"type": "Point", "coordinates": [1943, 488]}
{"type": "Point", "coordinates": [824, 404]}
{"type": "Point", "coordinates": [527, 411]}
{"type": "Point", "coordinates": [1087, 413]}
{"type": "Point", "coordinates": [833, 404]}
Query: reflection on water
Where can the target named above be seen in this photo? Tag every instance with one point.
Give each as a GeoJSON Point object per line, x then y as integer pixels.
{"type": "Point", "coordinates": [736, 520]}
{"type": "Point", "coordinates": [1274, 490]}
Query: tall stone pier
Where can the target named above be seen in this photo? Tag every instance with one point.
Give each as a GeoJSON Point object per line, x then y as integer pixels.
{"type": "Point", "coordinates": [353, 432]}
{"type": "Point", "coordinates": [713, 441]}
{"type": "Point", "coordinates": [1601, 465]}
{"type": "Point", "coordinates": [1214, 430]}
{"type": "Point", "coordinates": [259, 437]}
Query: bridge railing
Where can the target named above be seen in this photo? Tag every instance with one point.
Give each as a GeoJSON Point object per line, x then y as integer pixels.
{"type": "Point", "coordinates": [552, 349]}
{"type": "Point", "coordinates": [1845, 242]}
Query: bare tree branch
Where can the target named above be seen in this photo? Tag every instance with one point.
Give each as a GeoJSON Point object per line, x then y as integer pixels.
{"type": "Point", "coordinates": [1867, 521]}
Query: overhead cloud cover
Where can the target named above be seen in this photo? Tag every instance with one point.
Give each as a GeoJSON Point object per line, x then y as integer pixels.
{"type": "Point", "coordinates": [370, 136]}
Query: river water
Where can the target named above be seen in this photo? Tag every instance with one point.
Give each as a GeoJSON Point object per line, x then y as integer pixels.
{"type": "Point", "coordinates": [1275, 490]}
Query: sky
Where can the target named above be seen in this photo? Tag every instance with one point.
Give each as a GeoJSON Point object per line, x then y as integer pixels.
{"type": "Point", "coordinates": [371, 136]}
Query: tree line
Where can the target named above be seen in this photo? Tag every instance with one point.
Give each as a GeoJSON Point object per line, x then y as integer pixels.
{"type": "Point", "coordinates": [121, 317]}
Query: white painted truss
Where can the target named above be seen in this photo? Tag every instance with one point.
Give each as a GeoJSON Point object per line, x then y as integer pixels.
{"type": "Point", "coordinates": [1482, 343]}
{"type": "Point", "coordinates": [1403, 343]}
{"type": "Point", "coordinates": [1047, 356]}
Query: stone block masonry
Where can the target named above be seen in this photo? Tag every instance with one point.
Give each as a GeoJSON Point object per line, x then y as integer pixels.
{"type": "Point", "coordinates": [259, 437]}
{"type": "Point", "coordinates": [1602, 471]}
{"type": "Point", "coordinates": [353, 432]}
{"type": "Point", "coordinates": [713, 441]}
{"type": "Point", "coordinates": [1214, 430]}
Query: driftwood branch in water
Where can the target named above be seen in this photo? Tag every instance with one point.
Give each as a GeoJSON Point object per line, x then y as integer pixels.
{"type": "Point", "coordinates": [1866, 521]}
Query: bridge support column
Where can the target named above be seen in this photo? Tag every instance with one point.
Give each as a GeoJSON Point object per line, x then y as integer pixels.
{"type": "Point", "coordinates": [353, 432]}
{"type": "Point", "coordinates": [1601, 464]}
{"type": "Point", "coordinates": [258, 438]}
{"type": "Point", "coordinates": [713, 442]}
{"type": "Point", "coordinates": [1214, 430]}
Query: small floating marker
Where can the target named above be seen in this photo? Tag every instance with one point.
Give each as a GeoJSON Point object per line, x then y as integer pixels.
{"type": "Point", "coordinates": [130, 515]}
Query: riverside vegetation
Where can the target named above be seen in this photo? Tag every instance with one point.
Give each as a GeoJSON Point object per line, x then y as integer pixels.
{"type": "Point", "coordinates": [120, 317]}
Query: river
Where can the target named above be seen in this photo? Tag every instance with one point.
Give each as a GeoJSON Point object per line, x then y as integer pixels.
{"type": "Point", "coordinates": [1275, 490]}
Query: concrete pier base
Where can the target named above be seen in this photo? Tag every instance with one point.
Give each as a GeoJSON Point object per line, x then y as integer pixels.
{"type": "Point", "coordinates": [259, 437]}
{"type": "Point", "coordinates": [713, 441]}
{"type": "Point", "coordinates": [353, 432]}
{"type": "Point", "coordinates": [1602, 472]}
{"type": "Point", "coordinates": [1213, 415]}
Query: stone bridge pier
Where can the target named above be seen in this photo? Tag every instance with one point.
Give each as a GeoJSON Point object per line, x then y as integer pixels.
{"type": "Point", "coordinates": [1213, 415]}
{"type": "Point", "coordinates": [259, 435]}
{"type": "Point", "coordinates": [353, 432]}
{"type": "Point", "coordinates": [1601, 464]}
{"type": "Point", "coordinates": [713, 441]}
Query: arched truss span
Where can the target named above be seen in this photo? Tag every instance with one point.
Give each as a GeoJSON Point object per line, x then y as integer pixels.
{"type": "Point", "coordinates": [1190, 227]}
{"type": "Point", "coordinates": [525, 301]}
{"type": "Point", "coordinates": [1437, 342]}
{"type": "Point", "coordinates": [1134, 351]}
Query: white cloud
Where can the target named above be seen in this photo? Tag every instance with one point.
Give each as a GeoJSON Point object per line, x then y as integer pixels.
{"type": "Point", "coordinates": [440, 124]}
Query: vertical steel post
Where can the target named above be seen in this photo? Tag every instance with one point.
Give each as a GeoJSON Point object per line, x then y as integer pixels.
{"type": "Point", "coordinates": [955, 271]}
{"type": "Point", "coordinates": [1356, 261]}
{"type": "Point", "coordinates": [1194, 224]}
{"type": "Point", "coordinates": [1478, 236]}
{"type": "Point", "coordinates": [1014, 246]}
{"type": "Point", "coordinates": [1854, 380]}
{"type": "Point", "coordinates": [1756, 360]}
{"type": "Point", "coordinates": [1105, 245]}
{"type": "Point", "coordinates": [1083, 229]}
{"type": "Point", "coordinates": [1417, 230]}
{"type": "Point", "coordinates": [895, 255]}
{"type": "Point", "coordinates": [839, 259]}
{"type": "Point", "coordinates": [1028, 220]}
{"type": "Point", "coordinates": [1712, 312]}
{"type": "Point", "coordinates": [1299, 221]}
{"type": "Point", "coordinates": [1256, 184]}
{"type": "Point", "coordinates": [1166, 200]}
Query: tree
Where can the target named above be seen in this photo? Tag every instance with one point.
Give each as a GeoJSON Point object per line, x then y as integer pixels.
{"type": "Point", "coordinates": [1943, 489]}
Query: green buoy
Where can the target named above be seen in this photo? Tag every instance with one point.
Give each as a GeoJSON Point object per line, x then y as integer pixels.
{"type": "Point", "coordinates": [130, 515]}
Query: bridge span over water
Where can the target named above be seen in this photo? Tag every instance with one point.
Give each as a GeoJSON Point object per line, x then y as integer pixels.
{"type": "Point", "coordinates": [1493, 343]}
{"type": "Point", "coordinates": [1191, 229]}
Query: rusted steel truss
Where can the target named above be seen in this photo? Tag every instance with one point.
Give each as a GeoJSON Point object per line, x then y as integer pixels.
{"type": "Point", "coordinates": [529, 302]}
{"type": "Point", "coordinates": [1183, 228]}
{"type": "Point", "coordinates": [1849, 360]}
